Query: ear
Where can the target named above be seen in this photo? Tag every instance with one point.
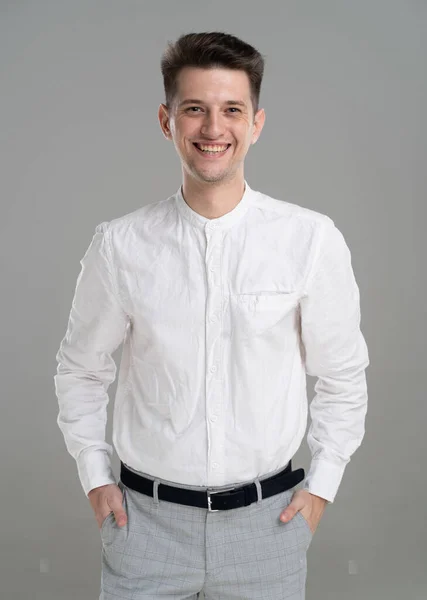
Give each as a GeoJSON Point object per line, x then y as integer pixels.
{"type": "Point", "coordinates": [259, 121]}
{"type": "Point", "coordinates": [164, 121]}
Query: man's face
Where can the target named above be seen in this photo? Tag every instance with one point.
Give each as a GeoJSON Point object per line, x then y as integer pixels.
{"type": "Point", "coordinates": [203, 114]}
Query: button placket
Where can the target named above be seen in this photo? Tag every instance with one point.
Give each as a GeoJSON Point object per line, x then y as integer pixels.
{"type": "Point", "coordinates": [213, 381]}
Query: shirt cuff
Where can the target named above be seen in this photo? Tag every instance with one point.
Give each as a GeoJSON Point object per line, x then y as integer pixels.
{"type": "Point", "coordinates": [323, 479]}
{"type": "Point", "coordinates": [94, 468]}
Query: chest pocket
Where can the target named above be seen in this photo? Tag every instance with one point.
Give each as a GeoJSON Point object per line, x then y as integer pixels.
{"type": "Point", "coordinates": [255, 313]}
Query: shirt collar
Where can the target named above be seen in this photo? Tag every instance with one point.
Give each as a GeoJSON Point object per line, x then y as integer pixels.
{"type": "Point", "coordinates": [225, 221]}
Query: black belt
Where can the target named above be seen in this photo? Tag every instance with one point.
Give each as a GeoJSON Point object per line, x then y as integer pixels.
{"type": "Point", "coordinates": [211, 499]}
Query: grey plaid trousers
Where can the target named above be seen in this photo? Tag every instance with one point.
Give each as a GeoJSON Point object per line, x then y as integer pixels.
{"type": "Point", "coordinates": [168, 550]}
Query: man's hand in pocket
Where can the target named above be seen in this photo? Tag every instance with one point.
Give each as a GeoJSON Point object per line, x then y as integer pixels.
{"type": "Point", "coordinates": [106, 499]}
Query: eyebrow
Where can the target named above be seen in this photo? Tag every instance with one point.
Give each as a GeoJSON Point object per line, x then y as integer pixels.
{"type": "Point", "coordinates": [195, 101]}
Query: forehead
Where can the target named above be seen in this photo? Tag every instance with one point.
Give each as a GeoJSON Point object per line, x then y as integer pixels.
{"type": "Point", "coordinates": [213, 85]}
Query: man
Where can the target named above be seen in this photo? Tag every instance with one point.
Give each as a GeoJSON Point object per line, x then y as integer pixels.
{"type": "Point", "coordinates": [224, 298]}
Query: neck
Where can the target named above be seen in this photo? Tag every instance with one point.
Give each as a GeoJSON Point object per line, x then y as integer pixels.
{"type": "Point", "coordinates": [213, 200]}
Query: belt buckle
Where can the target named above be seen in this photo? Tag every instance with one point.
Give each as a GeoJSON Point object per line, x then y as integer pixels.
{"type": "Point", "coordinates": [210, 509]}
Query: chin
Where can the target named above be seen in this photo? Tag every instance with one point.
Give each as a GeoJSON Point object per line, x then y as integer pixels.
{"type": "Point", "coordinates": [212, 177]}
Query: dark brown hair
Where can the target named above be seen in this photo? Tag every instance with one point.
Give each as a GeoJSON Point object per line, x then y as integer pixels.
{"type": "Point", "coordinates": [210, 50]}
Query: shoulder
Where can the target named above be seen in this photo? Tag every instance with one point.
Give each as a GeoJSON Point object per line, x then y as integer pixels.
{"type": "Point", "coordinates": [301, 217]}
{"type": "Point", "coordinates": [144, 216]}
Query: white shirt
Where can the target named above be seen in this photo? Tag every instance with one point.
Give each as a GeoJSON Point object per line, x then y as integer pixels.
{"type": "Point", "coordinates": [220, 321]}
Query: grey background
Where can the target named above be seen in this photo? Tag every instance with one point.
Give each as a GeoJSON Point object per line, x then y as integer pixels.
{"type": "Point", "coordinates": [345, 134]}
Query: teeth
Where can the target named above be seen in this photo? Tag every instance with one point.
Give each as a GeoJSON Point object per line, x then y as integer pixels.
{"type": "Point", "coordinates": [212, 148]}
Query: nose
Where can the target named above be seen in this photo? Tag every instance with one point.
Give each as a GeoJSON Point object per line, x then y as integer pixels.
{"type": "Point", "coordinates": [212, 125]}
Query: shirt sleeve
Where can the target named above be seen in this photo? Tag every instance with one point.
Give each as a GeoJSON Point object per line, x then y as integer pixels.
{"type": "Point", "coordinates": [336, 353]}
{"type": "Point", "coordinates": [96, 327]}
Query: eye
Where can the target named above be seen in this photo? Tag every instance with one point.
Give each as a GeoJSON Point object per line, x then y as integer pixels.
{"type": "Point", "coordinates": [195, 108]}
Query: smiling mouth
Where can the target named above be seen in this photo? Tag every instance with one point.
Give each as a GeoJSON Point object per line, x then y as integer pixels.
{"type": "Point", "coordinates": [209, 153]}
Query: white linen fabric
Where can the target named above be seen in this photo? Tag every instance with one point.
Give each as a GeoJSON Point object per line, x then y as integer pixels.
{"type": "Point", "coordinates": [221, 319]}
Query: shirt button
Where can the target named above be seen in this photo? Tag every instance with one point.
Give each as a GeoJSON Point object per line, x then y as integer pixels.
{"type": "Point", "coordinates": [214, 465]}
{"type": "Point", "coordinates": [212, 318]}
{"type": "Point", "coordinates": [213, 418]}
{"type": "Point", "coordinates": [213, 369]}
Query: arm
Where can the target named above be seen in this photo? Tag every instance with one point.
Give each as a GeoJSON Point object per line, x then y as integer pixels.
{"type": "Point", "coordinates": [335, 352]}
{"type": "Point", "coordinates": [96, 327]}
